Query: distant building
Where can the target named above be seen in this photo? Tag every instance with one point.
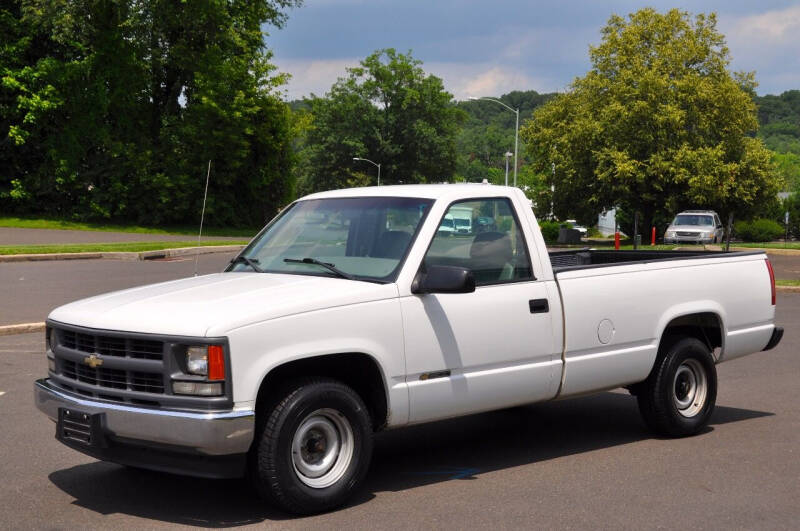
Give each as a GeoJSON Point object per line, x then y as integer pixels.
{"type": "Point", "coordinates": [607, 222]}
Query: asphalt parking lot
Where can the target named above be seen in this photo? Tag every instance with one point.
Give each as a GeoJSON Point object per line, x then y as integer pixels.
{"type": "Point", "coordinates": [582, 463]}
{"type": "Point", "coordinates": [30, 290]}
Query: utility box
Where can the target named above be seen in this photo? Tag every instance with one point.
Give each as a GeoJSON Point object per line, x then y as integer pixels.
{"type": "Point", "coordinates": [569, 236]}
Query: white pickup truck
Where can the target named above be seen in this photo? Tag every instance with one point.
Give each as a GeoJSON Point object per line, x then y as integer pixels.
{"type": "Point", "coordinates": [351, 313]}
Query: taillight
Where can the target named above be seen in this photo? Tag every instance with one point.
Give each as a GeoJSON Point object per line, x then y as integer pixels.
{"type": "Point", "coordinates": [771, 279]}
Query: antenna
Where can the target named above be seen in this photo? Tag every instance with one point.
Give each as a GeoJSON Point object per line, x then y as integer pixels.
{"type": "Point", "coordinates": [202, 215]}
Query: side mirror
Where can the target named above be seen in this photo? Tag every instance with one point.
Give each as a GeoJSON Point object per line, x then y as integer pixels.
{"type": "Point", "coordinates": [444, 279]}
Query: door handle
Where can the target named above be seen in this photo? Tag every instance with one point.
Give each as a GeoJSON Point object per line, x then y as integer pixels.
{"type": "Point", "coordinates": [539, 306]}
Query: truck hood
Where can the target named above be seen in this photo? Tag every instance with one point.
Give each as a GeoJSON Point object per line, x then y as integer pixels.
{"type": "Point", "coordinates": [212, 305]}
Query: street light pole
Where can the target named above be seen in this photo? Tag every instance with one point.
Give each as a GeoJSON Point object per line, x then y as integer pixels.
{"type": "Point", "coordinates": [553, 192]}
{"type": "Point", "coordinates": [374, 164]}
{"type": "Point", "coordinates": [508, 154]}
{"type": "Point", "coordinates": [516, 132]}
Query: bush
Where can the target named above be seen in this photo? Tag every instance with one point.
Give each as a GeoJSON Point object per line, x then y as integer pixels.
{"type": "Point", "coordinates": [758, 230]}
{"type": "Point", "coordinates": [550, 230]}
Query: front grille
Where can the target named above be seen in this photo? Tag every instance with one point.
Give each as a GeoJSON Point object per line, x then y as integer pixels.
{"type": "Point", "coordinates": [146, 382]}
{"type": "Point", "coordinates": [688, 234]}
{"type": "Point", "coordinates": [111, 378]}
{"type": "Point", "coordinates": [134, 377]}
{"type": "Point", "coordinates": [112, 346]}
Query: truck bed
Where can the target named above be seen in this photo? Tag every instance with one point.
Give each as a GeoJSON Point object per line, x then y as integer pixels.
{"type": "Point", "coordinates": [589, 258]}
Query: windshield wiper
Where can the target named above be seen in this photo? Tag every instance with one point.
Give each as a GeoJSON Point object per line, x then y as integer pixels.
{"type": "Point", "coordinates": [330, 267]}
{"type": "Point", "coordinates": [252, 262]}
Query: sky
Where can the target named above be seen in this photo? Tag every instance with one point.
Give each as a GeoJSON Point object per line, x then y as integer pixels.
{"type": "Point", "coordinates": [491, 47]}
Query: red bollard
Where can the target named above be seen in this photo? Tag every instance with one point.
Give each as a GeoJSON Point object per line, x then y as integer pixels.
{"type": "Point", "coordinates": [616, 241]}
{"type": "Point", "coordinates": [653, 237]}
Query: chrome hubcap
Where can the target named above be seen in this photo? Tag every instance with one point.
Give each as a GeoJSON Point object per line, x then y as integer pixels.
{"type": "Point", "coordinates": [322, 448]}
{"type": "Point", "coordinates": [690, 388]}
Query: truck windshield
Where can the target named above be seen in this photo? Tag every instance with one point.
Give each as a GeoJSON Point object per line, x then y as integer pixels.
{"type": "Point", "coordinates": [364, 238]}
{"type": "Point", "coordinates": [691, 219]}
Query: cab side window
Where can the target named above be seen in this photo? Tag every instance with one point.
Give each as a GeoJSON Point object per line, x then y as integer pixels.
{"type": "Point", "coordinates": [484, 236]}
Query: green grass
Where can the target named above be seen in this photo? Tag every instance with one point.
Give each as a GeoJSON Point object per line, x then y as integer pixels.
{"type": "Point", "coordinates": [44, 223]}
{"type": "Point", "coordinates": [110, 247]}
{"type": "Point", "coordinates": [787, 282]}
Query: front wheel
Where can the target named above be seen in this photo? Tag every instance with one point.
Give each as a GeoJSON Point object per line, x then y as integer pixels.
{"type": "Point", "coordinates": [678, 397]}
{"type": "Point", "coordinates": [315, 447]}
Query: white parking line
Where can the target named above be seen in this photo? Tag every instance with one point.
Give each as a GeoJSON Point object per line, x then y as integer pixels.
{"type": "Point", "coordinates": [2, 393]}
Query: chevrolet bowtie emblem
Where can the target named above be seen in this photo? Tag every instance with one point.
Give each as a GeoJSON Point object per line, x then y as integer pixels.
{"type": "Point", "coordinates": [93, 361]}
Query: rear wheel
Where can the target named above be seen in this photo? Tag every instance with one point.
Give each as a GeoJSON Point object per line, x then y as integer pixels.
{"type": "Point", "coordinates": [678, 397]}
{"type": "Point", "coordinates": [315, 447]}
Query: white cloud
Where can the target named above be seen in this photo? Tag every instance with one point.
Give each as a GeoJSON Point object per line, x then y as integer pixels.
{"type": "Point", "coordinates": [767, 43]}
{"type": "Point", "coordinates": [777, 27]}
{"type": "Point", "coordinates": [460, 79]}
{"type": "Point", "coordinates": [314, 75]}
{"type": "Point", "coordinates": [464, 80]}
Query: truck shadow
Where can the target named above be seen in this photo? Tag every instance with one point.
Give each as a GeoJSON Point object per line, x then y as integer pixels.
{"type": "Point", "coordinates": [453, 450]}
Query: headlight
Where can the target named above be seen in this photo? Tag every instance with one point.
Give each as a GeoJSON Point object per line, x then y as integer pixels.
{"type": "Point", "coordinates": [197, 360]}
{"type": "Point", "coordinates": [206, 360]}
{"type": "Point", "coordinates": [670, 234]}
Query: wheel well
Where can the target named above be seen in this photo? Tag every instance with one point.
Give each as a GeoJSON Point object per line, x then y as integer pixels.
{"type": "Point", "coordinates": [356, 370]}
{"type": "Point", "coordinates": [705, 326]}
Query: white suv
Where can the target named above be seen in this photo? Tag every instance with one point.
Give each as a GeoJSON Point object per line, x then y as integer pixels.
{"type": "Point", "coordinates": [695, 226]}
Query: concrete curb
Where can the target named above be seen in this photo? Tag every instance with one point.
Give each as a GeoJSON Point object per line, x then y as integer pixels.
{"type": "Point", "coordinates": [143, 255]}
{"type": "Point", "coordinates": [791, 289]}
{"type": "Point", "coordinates": [24, 328]}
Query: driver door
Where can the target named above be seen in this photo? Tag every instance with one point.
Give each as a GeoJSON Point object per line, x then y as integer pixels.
{"type": "Point", "coordinates": [489, 349]}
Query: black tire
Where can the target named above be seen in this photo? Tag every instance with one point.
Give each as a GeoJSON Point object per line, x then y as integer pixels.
{"type": "Point", "coordinates": [331, 415]}
{"type": "Point", "coordinates": [678, 397]}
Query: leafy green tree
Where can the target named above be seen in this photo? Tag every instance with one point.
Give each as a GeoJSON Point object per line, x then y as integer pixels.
{"type": "Point", "coordinates": [657, 125]}
{"type": "Point", "coordinates": [121, 105]}
{"type": "Point", "coordinates": [788, 167]}
{"type": "Point", "coordinates": [792, 205]}
{"type": "Point", "coordinates": [782, 111]}
{"type": "Point", "coordinates": [386, 110]}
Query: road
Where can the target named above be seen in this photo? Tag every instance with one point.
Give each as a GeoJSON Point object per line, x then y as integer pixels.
{"type": "Point", "coordinates": [786, 266]}
{"type": "Point", "coordinates": [582, 463]}
{"type": "Point", "coordinates": [30, 290]}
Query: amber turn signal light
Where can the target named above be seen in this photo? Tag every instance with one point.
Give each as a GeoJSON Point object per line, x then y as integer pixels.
{"type": "Point", "coordinates": [216, 362]}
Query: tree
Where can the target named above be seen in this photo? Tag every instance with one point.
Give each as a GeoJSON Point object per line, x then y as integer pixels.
{"type": "Point", "coordinates": [386, 110]}
{"type": "Point", "coordinates": [788, 167]}
{"type": "Point", "coordinates": [121, 105]}
{"type": "Point", "coordinates": [657, 125]}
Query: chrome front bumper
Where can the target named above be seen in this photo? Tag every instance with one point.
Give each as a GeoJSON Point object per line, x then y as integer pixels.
{"type": "Point", "coordinates": [200, 433]}
{"type": "Point", "coordinates": [687, 239]}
